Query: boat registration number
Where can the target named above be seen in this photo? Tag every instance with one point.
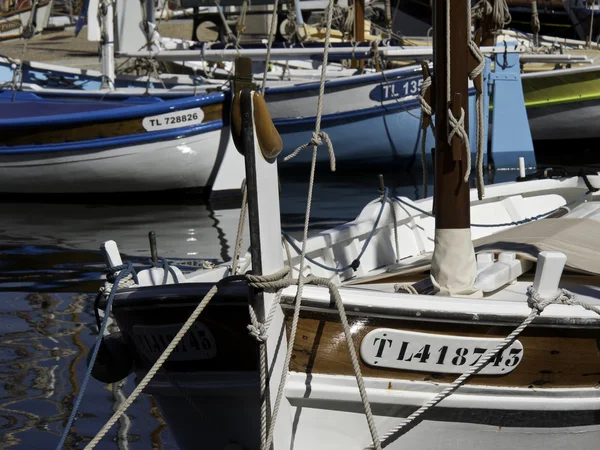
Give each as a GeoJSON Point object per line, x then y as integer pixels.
{"type": "Point", "coordinates": [152, 340]}
{"type": "Point", "coordinates": [436, 353]}
{"type": "Point", "coordinates": [175, 119]}
{"type": "Point", "coordinates": [406, 87]}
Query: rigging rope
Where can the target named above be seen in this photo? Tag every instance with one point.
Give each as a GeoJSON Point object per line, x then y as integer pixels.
{"type": "Point", "coordinates": [477, 74]}
{"type": "Point", "coordinates": [455, 125]}
{"type": "Point", "coordinates": [118, 275]}
{"type": "Point", "coordinates": [426, 112]}
{"type": "Point", "coordinates": [317, 138]}
{"type": "Point", "coordinates": [269, 46]}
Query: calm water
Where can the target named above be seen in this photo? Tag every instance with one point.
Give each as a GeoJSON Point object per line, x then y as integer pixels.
{"type": "Point", "coordinates": [52, 268]}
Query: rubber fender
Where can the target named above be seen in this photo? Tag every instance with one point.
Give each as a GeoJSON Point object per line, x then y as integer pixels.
{"type": "Point", "coordinates": [114, 361]}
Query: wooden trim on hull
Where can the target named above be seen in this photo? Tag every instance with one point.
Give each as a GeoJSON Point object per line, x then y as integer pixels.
{"type": "Point", "coordinates": [90, 131]}
{"type": "Point", "coordinates": [552, 357]}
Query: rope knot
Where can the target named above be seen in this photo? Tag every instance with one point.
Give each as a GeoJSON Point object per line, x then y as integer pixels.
{"type": "Point", "coordinates": [539, 303]}
{"type": "Point", "coordinates": [258, 332]}
{"type": "Point", "coordinates": [457, 126]}
{"type": "Point", "coordinates": [317, 139]}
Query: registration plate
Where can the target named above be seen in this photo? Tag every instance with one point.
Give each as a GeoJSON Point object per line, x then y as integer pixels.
{"type": "Point", "coordinates": [175, 119]}
{"type": "Point", "coordinates": [197, 344]}
{"type": "Point", "coordinates": [436, 353]}
{"type": "Point", "coordinates": [396, 89]}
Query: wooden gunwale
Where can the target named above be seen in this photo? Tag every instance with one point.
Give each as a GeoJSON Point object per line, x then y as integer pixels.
{"type": "Point", "coordinates": [552, 357]}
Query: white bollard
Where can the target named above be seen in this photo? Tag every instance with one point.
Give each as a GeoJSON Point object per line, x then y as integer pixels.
{"type": "Point", "coordinates": [521, 167]}
{"type": "Point", "coordinates": [550, 265]}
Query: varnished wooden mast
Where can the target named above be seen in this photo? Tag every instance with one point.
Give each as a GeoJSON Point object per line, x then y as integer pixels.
{"type": "Point", "coordinates": [451, 192]}
{"type": "Point", "coordinates": [359, 27]}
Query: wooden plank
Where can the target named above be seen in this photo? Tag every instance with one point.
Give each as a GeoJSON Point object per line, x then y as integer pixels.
{"type": "Point", "coordinates": [552, 357]}
{"type": "Point", "coordinates": [89, 131]}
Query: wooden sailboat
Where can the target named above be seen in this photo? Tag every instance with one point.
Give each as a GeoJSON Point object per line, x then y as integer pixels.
{"type": "Point", "coordinates": [24, 18]}
{"type": "Point", "coordinates": [475, 354]}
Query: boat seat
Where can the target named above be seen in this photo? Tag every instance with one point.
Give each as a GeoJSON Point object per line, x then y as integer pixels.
{"type": "Point", "coordinates": [267, 135]}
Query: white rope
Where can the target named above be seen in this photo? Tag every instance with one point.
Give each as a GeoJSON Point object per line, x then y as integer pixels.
{"type": "Point", "coordinates": [537, 305]}
{"type": "Point", "coordinates": [426, 111]}
{"type": "Point", "coordinates": [274, 281]}
{"type": "Point", "coordinates": [405, 287]}
{"type": "Point", "coordinates": [317, 138]}
{"type": "Point", "coordinates": [535, 22]}
{"type": "Point", "coordinates": [155, 368]}
{"type": "Point", "coordinates": [456, 125]}
{"type": "Point", "coordinates": [259, 331]}
{"type": "Point", "coordinates": [230, 36]}
{"type": "Point", "coordinates": [477, 72]}
{"type": "Point", "coordinates": [500, 14]}
{"type": "Point", "coordinates": [591, 24]}
{"type": "Point", "coordinates": [125, 283]}
{"type": "Point", "coordinates": [269, 46]}
{"type": "Point", "coordinates": [298, 299]}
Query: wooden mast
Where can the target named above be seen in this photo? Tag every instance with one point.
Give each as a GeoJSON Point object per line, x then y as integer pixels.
{"type": "Point", "coordinates": [451, 192]}
{"type": "Point", "coordinates": [453, 267]}
{"type": "Point", "coordinates": [359, 28]}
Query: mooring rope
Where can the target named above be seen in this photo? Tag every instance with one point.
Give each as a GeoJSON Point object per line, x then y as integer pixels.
{"type": "Point", "coordinates": [537, 303]}
{"type": "Point", "coordinates": [317, 138]}
{"type": "Point", "coordinates": [117, 275]}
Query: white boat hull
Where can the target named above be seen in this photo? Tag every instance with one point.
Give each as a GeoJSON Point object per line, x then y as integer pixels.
{"type": "Point", "coordinates": [328, 415]}
{"type": "Point", "coordinates": [164, 165]}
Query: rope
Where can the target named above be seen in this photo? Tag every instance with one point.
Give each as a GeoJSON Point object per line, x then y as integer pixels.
{"type": "Point", "coordinates": [230, 36]}
{"type": "Point", "coordinates": [164, 264]}
{"type": "Point", "coordinates": [405, 287]}
{"type": "Point", "coordinates": [535, 22]}
{"type": "Point", "coordinates": [477, 72]}
{"type": "Point", "coordinates": [117, 275]}
{"type": "Point", "coordinates": [155, 368]}
{"type": "Point", "coordinates": [259, 331]}
{"type": "Point", "coordinates": [426, 111]}
{"type": "Point", "coordinates": [27, 33]}
{"type": "Point", "coordinates": [269, 46]}
{"type": "Point", "coordinates": [316, 141]}
{"type": "Point", "coordinates": [591, 24]}
{"type": "Point", "coordinates": [500, 14]}
{"type": "Point", "coordinates": [456, 125]}
{"type": "Point", "coordinates": [239, 240]}
{"type": "Point", "coordinates": [354, 265]}
{"type": "Point", "coordinates": [240, 26]}
{"type": "Point", "coordinates": [537, 303]}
